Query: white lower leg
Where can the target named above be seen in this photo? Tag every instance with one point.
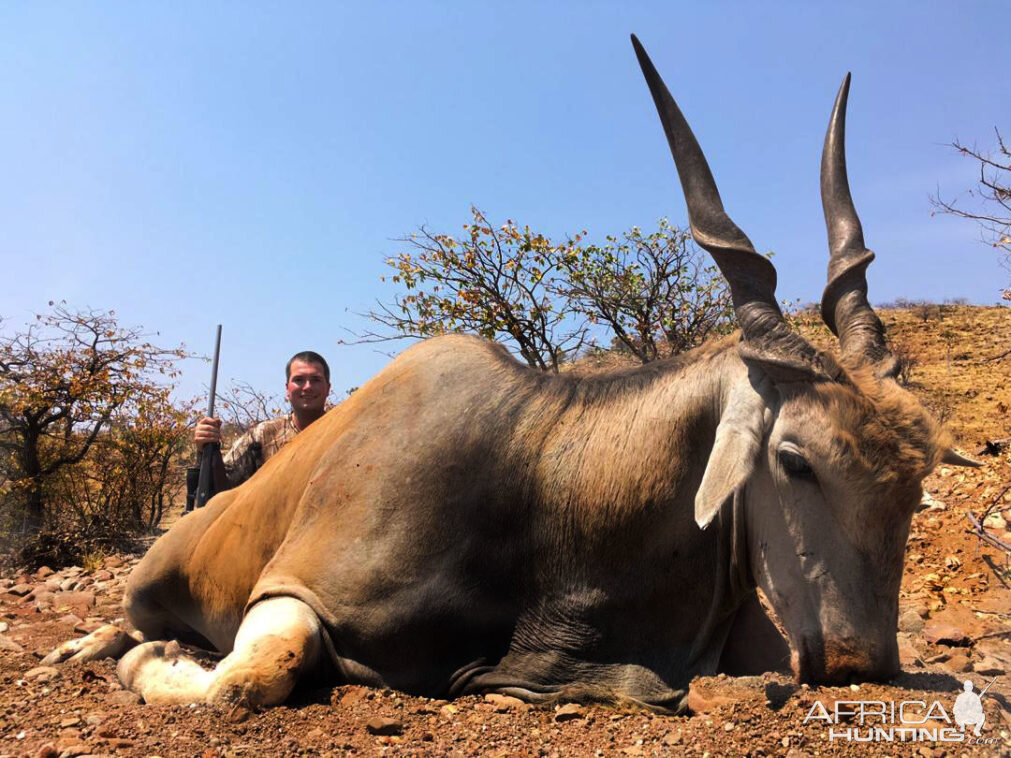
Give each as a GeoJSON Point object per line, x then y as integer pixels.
{"type": "Point", "coordinates": [278, 640]}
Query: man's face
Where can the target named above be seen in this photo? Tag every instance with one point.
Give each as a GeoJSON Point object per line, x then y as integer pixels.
{"type": "Point", "coordinates": [307, 389]}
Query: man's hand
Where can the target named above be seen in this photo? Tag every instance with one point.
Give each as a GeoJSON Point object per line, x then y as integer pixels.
{"type": "Point", "coordinates": [207, 430]}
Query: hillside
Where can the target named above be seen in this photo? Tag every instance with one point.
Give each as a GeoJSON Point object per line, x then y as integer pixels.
{"type": "Point", "coordinates": [954, 624]}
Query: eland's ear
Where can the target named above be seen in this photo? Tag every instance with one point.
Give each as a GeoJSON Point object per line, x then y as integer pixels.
{"type": "Point", "coordinates": [735, 451]}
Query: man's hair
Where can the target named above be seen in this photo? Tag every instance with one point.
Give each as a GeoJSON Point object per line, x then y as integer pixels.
{"type": "Point", "coordinates": [307, 356]}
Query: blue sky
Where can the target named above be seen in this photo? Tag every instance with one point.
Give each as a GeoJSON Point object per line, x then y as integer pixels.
{"type": "Point", "coordinates": [251, 164]}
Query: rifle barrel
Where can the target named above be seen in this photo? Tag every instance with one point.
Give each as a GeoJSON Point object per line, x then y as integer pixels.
{"type": "Point", "coordinates": [214, 373]}
{"type": "Point", "coordinates": [205, 483]}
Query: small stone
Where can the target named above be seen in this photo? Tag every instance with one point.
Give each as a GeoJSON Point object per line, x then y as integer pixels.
{"type": "Point", "coordinates": [351, 696]}
{"type": "Point", "coordinates": [94, 719]}
{"type": "Point", "coordinates": [89, 625]}
{"type": "Point", "coordinates": [20, 590]}
{"type": "Point", "coordinates": [72, 750]}
{"type": "Point", "coordinates": [10, 645]}
{"type": "Point", "coordinates": [673, 738]}
{"type": "Point", "coordinates": [69, 722]}
{"type": "Point", "coordinates": [908, 656]}
{"type": "Point", "coordinates": [729, 726]}
{"type": "Point", "coordinates": [102, 575]}
{"type": "Point", "coordinates": [995, 521]}
{"type": "Point", "coordinates": [568, 712]}
{"type": "Point", "coordinates": [238, 714]}
{"type": "Point", "coordinates": [958, 662]}
{"type": "Point", "coordinates": [504, 703]}
{"type": "Point", "coordinates": [123, 697]}
{"type": "Point", "coordinates": [68, 585]}
{"type": "Point", "coordinates": [78, 602]}
{"type": "Point", "coordinates": [48, 751]}
{"type": "Point", "coordinates": [43, 572]}
{"type": "Point", "coordinates": [4, 626]}
{"type": "Point", "coordinates": [938, 633]}
{"type": "Point", "coordinates": [42, 673]}
{"type": "Point", "coordinates": [989, 667]}
{"type": "Point", "coordinates": [910, 622]}
{"type": "Point", "coordinates": [383, 726]}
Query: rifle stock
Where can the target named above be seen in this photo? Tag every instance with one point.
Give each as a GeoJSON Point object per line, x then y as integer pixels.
{"type": "Point", "coordinates": [211, 451]}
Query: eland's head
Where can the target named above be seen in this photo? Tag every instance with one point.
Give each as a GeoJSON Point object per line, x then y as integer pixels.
{"type": "Point", "coordinates": [826, 455]}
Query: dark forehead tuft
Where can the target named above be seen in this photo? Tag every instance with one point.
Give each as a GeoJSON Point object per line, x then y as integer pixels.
{"type": "Point", "coordinates": [883, 425]}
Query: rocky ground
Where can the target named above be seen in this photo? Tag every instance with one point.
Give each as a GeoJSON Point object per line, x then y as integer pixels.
{"type": "Point", "coordinates": [955, 624]}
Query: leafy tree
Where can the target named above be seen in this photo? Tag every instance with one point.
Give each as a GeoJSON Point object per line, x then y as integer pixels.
{"type": "Point", "coordinates": [654, 292]}
{"type": "Point", "coordinates": [130, 473]}
{"type": "Point", "coordinates": [501, 283]}
{"type": "Point", "coordinates": [63, 380]}
{"type": "Point", "coordinates": [650, 294]}
{"type": "Point", "coordinates": [989, 203]}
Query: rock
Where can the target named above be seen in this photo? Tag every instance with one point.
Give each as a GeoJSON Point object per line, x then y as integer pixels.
{"type": "Point", "coordinates": [958, 662]}
{"type": "Point", "coordinates": [68, 585]}
{"type": "Point", "coordinates": [908, 656]}
{"type": "Point", "coordinates": [10, 645]}
{"type": "Point", "coordinates": [910, 622]}
{"type": "Point", "coordinates": [989, 667]}
{"type": "Point", "coordinates": [70, 618]}
{"type": "Point", "coordinates": [352, 696]}
{"type": "Point", "coordinates": [89, 625]}
{"type": "Point", "coordinates": [238, 714]}
{"type": "Point", "coordinates": [123, 697]}
{"type": "Point", "coordinates": [42, 673]}
{"type": "Point", "coordinates": [72, 749]}
{"type": "Point", "coordinates": [505, 703]}
{"type": "Point", "coordinates": [4, 626]}
{"type": "Point", "coordinates": [78, 602]}
{"type": "Point", "coordinates": [939, 633]}
{"type": "Point", "coordinates": [102, 575]}
{"type": "Point", "coordinates": [41, 595]}
{"type": "Point", "coordinates": [20, 590]}
{"type": "Point", "coordinates": [44, 572]}
{"type": "Point", "coordinates": [114, 561]}
{"type": "Point", "coordinates": [707, 695]}
{"type": "Point", "coordinates": [48, 751]}
{"type": "Point", "coordinates": [568, 712]}
{"type": "Point", "coordinates": [383, 726]}
{"type": "Point", "coordinates": [673, 738]}
{"type": "Point", "coordinates": [930, 503]}
{"type": "Point", "coordinates": [995, 521]}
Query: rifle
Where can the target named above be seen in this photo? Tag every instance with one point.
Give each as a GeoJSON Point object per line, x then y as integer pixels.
{"type": "Point", "coordinates": [205, 484]}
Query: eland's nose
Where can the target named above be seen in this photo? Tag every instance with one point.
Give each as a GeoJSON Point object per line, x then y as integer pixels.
{"type": "Point", "coordinates": [844, 661]}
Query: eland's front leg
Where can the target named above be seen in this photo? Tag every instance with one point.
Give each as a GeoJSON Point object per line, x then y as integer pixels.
{"type": "Point", "coordinates": [279, 639]}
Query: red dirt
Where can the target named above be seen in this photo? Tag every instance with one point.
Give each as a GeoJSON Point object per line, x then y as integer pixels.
{"type": "Point", "coordinates": [955, 624]}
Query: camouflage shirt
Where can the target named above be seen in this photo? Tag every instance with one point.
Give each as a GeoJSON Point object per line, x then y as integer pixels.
{"type": "Point", "coordinates": [252, 449]}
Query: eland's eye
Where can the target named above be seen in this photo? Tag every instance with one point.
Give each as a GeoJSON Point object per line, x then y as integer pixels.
{"type": "Point", "coordinates": [795, 464]}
